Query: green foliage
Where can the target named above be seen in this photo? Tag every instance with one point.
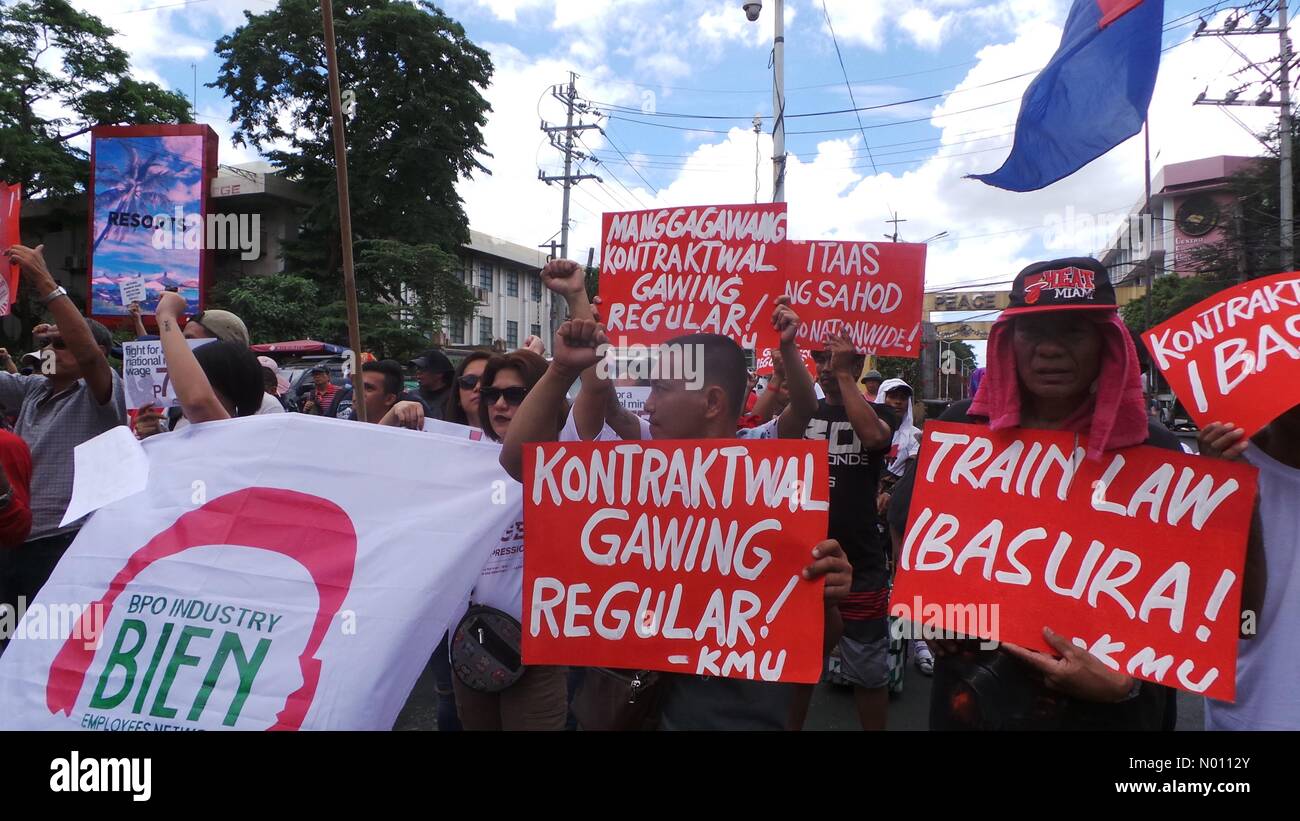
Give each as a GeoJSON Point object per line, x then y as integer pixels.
{"type": "Point", "coordinates": [91, 86]}
{"type": "Point", "coordinates": [1170, 296]}
{"type": "Point", "coordinates": [417, 130]}
{"type": "Point", "coordinates": [276, 308]}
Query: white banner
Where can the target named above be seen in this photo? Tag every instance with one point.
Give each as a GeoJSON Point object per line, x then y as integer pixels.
{"type": "Point", "coordinates": [278, 571]}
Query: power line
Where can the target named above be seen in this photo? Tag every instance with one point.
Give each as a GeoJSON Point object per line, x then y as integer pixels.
{"type": "Point", "coordinates": [852, 100]}
{"type": "Point", "coordinates": [653, 190]}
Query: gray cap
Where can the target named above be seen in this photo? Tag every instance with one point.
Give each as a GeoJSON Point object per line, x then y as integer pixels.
{"type": "Point", "coordinates": [872, 376]}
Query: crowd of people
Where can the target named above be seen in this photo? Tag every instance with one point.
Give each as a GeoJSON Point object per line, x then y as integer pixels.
{"type": "Point", "coordinates": [1052, 364]}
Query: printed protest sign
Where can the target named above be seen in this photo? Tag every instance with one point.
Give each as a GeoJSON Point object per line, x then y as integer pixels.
{"type": "Point", "coordinates": [1233, 357]}
{"type": "Point", "coordinates": [873, 291]}
{"type": "Point", "coordinates": [144, 374]}
{"type": "Point", "coordinates": [633, 399]}
{"type": "Point", "coordinates": [763, 365]}
{"type": "Point", "coordinates": [133, 290]}
{"type": "Point", "coordinates": [704, 269]}
{"type": "Point", "coordinates": [247, 587]}
{"type": "Point", "coordinates": [677, 556]}
{"type": "Point", "coordinates": [1137, 557]}
{"type": "Point", "coordinates": [11, 205]}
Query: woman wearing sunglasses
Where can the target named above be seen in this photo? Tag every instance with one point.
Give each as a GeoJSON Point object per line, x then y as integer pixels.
{"type": "Point", "coordinates": [462, 403]}
{"type": "Point", "coordinates": [538, 698]}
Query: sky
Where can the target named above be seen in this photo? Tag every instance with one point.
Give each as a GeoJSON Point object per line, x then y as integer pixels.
{"type": "Point", "coordinates": [676, 84]}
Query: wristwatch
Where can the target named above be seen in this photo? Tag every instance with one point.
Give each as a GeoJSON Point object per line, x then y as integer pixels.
{"type": "Point", "coordinates": [53, 295]}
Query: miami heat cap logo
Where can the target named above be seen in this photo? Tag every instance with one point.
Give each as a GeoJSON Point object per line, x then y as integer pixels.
{"type": "Point", "coordinates": [1063, 283]}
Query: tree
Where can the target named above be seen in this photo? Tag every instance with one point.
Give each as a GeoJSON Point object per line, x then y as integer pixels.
{"type": "Point", "coordinates": [417, 130]}
{"type": "Point", "coordinates": [275, 308]}
{"type": "Point", "coordinates": [1170, 296]}
{"type": "Point", "coordinates": [88, 85]}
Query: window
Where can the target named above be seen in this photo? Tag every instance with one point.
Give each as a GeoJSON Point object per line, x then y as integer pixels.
{"type": "Point", "coordinates": [485, 277]}
{"type": "Point", "coordinates": [512, 283]}
{"type": "Point", "coordinates": [485, 330]}
{"type": "Point", "coordinates": [536, 283]}
{"type": "Point", "coordinates": [512, 334]}
{"type": "Point", "coordinates": [536, 331]}
{"type": "Point", "coordinates": [457, 331]}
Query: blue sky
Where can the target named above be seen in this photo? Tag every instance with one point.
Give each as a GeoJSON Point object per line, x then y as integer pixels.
{"type": "Point", "coordinates": [700, 57]}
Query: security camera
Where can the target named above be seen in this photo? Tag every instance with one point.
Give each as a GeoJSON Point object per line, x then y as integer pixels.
{"type": "Point", "coordinates": [753, 9]}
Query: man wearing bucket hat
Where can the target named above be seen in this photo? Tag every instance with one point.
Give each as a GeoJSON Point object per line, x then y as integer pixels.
{"type": "Point", "coordinates": [1059, 358]}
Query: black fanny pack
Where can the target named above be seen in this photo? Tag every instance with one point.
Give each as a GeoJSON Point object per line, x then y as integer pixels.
{"type": "Point", "coordinates": [485, 650]}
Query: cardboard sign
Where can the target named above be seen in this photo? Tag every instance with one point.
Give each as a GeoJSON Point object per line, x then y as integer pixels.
{"type": "Point", "coordinates": [11, 205]}
{"type": "Point", "coordinates": [704, 269]}
{"type": "Point", "coordinates": [872, 290]}
{"type": "Point", "coordinates": [1137, 557]}
{"type": "Point", "coordinates": [144, 374]}
{"type": "Point", "coordinates": [763, 362]}
{"type": "Point", "coordinates": [133, 290]}
{"type": "Point", "coordinates": [684, 557]}
{"type": "Point", "coordinates": [245, 588]}
{"type": "Point", "coordinates": [1233, 357]}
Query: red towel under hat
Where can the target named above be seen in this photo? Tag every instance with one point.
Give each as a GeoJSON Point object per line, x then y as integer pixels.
{"type": "Point", "coordinates": [1115, 415]}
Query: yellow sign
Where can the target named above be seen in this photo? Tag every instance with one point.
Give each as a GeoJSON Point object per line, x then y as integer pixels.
{"type": "Point", "coordinates": [967, 301]}
{"type": "Point", "coordinates": [953, 331]}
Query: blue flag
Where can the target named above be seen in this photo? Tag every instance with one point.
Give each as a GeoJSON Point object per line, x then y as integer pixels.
{"type": "Point", "coordinates": [1091, 97]}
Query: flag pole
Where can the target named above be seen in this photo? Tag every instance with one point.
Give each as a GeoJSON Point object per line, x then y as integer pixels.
{"type": "Point", "coordinates": [345, 211]}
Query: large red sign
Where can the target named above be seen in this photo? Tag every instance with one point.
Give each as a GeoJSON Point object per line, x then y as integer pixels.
{"type": "Point", "coordinates": [1233, 357]}
{"type": "Point", "coordinates": [872, 291]}
{"type": "Point", "coordinates": [685, 557]}
{"type": "Point", "coordinates": [1138, 557]}
{"type": "Point", "coordinates": [703, 269]}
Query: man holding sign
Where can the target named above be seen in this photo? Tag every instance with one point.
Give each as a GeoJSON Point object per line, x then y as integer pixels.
{"type": "Point", "coordinates": [708, 411]}
{"type": "Point", "coordinates": [1059, 359]}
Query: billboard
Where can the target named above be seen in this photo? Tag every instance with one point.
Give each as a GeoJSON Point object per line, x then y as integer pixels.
{"type": "Point", "coordinates": [149, 203]}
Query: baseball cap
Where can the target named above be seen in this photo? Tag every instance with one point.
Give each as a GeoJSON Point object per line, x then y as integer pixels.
{"type": "Point", "coordinates": [223, 325]}
{"type": "Point", "coordinates": [1074, 283]}
{"type": "Point", "coordinates": [433, 360]}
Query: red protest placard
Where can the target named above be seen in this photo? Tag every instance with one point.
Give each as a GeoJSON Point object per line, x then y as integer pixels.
{"type": "Point", "coordinates": [11, 204]}
{"type": "Point", "coordinates": [1137, 557]}
{"type": "Point", "coordinates": [874, 290]}
{"type": "Point", "coordinates": [680, 556]}
{"type": "Point", "coordinates": [763, 361]}
{"type": "Point", "coordinates": [703, 269]}
{"type": "Point", "coordinates": [1232, 358]}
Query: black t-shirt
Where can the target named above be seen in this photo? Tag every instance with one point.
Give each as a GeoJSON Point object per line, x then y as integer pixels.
{"type": "Point", "coordinates": [991, 690]}
{"type": "Point", "coordinates": [854, 478]}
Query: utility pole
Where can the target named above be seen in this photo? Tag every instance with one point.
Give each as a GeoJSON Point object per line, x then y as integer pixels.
{"type": "Point", "coordinates": [895, 222]}
{"type": "Point", "coordinates": [1282, 76]}
{"type": "Point", "coordinates": [567, 95]}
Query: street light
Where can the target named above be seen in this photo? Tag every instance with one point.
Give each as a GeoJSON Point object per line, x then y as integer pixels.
{"type": "Point", "coordinates": [752, 10]}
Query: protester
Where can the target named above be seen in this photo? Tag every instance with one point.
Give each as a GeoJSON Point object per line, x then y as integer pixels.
{"type": "Point", "coordinates": [678, 412]}
{"type": "Point", "coordinates": [382, 388]}
{"type": "Point", "coordinates": [219, 380]}
{"type": "Point", "coordinates": [79, 398]}
{"type": "Point", "coordinates": [775, 397]}
{"type": "Point", "coordinates": [1056, 361]}
{"type": "Point", "coordinates": [871, 385]}
{"type": "Point", "coordinates": [15, 491]}
{"type": "Point", "coordinates": [538, 700]}
{"type": "Point", "coordinates": [318, 399]}
{"type": "Point", "coordinates": [462, 404]}
{"type": "Point", "coordinates": [275, 384]}
{"type": "Point", "coordinates": [434, 372]}
{"type": "Point", "coordinates": [1268, 665]}
{"type": "Point", "coordinates": [903, 452]}
{"type": "Point", "coordinates": [137, 320]}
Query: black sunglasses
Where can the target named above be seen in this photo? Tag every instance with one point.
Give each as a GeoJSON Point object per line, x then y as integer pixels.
{"type": "Point", "coordinates": [513, 396]}
{"type": "Point", "coordinates": [468, 382]}
{"type": "Point", "coordinates": [57, 343]}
